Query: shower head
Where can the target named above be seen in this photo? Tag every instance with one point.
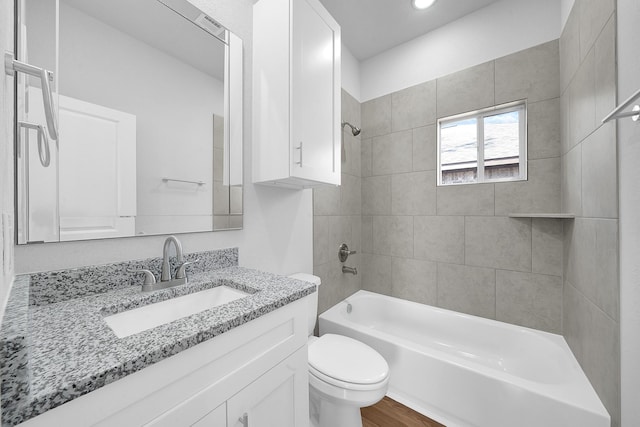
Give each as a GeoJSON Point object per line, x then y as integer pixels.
{"type": "Point", "coordinates": [354, 130]}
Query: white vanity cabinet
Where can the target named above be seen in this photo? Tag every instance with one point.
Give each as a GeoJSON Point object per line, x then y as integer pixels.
{"type": "Point", "coordinates": [296, 94]}
{"type": "Point", "coordinates": [258, 369]}
{"type": "Point", "coordinates": [274, 399]}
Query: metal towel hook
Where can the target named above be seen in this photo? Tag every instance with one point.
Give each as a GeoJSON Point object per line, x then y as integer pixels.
{"type": "Point", "coordinates": [12, 65]}
{"type": "Point", "coordinates": [43, 142]}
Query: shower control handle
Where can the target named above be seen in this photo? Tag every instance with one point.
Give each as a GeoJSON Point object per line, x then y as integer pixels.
{"type": "Point", "coordinates": [344, 252]}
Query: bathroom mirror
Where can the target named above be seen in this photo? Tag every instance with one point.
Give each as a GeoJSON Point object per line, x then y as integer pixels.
{"type": "Point", "coordinates": [148, 98]}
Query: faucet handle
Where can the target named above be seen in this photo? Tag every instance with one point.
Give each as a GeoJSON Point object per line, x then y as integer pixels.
{"type": "Point", "coordinates": [344, 252]}
{"type": "Point", "coordinates": [181, 273]}
{"type": "Point", "coordinates": [149, 278]}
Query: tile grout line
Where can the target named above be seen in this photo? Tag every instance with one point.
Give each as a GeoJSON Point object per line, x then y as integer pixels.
{"type": "Point", "coordinates": [593, 304]}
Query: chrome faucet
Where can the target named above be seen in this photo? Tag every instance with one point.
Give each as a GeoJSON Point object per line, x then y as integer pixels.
{"type": "Point", "coordinates": [166, 267]}
{"type": "Point", "coordinates": [166, 281]}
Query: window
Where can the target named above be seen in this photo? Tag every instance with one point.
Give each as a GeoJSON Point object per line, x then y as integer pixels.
{"type": "Point", "coordinates": [483, 146]}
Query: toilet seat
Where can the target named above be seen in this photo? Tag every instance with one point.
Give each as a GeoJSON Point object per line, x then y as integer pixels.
{"type": "Point", "coordinates": [347, 363]}
{"type": "Point", "coordinates": [317, 375]}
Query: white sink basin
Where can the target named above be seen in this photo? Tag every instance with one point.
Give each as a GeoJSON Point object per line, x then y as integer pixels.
{"type": "Point", "coordinates": [140, 319]}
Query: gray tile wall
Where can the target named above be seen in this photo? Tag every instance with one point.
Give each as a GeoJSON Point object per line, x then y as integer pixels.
{"type": "Point", "coordinates": [337, 218]}
{"type": "Point", "coordinates": [590, 189]}
{"type": "Point", "coordinates": [455, 246]}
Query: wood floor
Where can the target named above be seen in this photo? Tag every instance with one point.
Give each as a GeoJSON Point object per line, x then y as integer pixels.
{"type": "Point", "coordinates": [389, 413]}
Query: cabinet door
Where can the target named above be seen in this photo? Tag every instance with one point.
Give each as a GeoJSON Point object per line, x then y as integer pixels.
{"type": "Point", "coordinates": [279, 398]}
{"type": "Point", "coordinates": [215, 418]}
{"type": "Point", "coordinates": [315, 110]}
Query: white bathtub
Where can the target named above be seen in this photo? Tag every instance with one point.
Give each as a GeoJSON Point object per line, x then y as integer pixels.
{"type": "Point", "coordinates": [464, 370]}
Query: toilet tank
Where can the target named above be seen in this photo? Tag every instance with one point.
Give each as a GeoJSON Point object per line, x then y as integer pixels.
{"type": "Point", "coordinates": [312, 300]}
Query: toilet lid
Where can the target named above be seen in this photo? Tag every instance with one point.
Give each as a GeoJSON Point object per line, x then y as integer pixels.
{"type": "Point", "coordinates": [348, 360]}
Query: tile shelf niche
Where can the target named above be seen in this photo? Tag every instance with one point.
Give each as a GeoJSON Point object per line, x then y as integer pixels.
{"type": "Point", "coordinates": [543, 215]}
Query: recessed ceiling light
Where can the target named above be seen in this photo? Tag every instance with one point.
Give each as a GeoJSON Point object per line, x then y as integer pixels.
{"type": "Point", "coordinates": [422, 4]}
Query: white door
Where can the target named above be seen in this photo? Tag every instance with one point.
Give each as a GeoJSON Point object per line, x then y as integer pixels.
{"type": "Point", "coordinates": [315, 110]}
{"type": "Point", "coordinates": [98, 163]}
{"type": "Point", "coordinates": [279, 398]}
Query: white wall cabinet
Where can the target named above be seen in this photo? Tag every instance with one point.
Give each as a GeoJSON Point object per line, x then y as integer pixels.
{"type": "Point", "coordinates": [296, 102]}
{"type": "Point", "coordinates": [258, 369]}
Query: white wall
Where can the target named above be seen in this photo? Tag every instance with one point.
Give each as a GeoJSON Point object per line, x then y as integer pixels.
{"type": "Point", "coordinates": [350, 73]}
{"type": "Point", "coordinates": [628, 12]}
{"type": "Point", "coordinates": [6, 160]}
{"type": "Point", "coordinates": [497, 30]}
{"type": "Point", "coordinates": [173, 103]}
{"type": "Point", "coordinates": [277, 234]}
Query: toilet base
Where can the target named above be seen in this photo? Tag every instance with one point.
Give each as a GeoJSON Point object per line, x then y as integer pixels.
{"type": "Point", "coordinates": [325, 413]}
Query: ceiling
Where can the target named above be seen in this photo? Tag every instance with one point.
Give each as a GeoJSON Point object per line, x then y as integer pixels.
{"type": "Point", "coordinates": [370, 27]}
{"type": "Point", "coordinates": [156, 25]}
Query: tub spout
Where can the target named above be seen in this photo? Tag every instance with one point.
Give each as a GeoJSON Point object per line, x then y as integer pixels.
{"type": "Point", "coordinates": [351, 270]}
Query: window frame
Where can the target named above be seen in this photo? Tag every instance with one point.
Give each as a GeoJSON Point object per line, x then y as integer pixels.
{"type": "Point", "coordinates": [480, 115]}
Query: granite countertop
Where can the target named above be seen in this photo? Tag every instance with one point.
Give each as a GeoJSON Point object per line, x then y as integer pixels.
{"type": "Point", "coordinates": [61, 350]}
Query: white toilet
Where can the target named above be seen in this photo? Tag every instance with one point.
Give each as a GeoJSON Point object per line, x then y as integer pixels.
{"type": "Point", "coordinates": [344, 374]}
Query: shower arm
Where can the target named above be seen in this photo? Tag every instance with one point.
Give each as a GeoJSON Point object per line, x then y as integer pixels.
{"type": "Point", "coordinates": [354, 129]}
{"type": "Point", "coordinates": [12, 65]}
